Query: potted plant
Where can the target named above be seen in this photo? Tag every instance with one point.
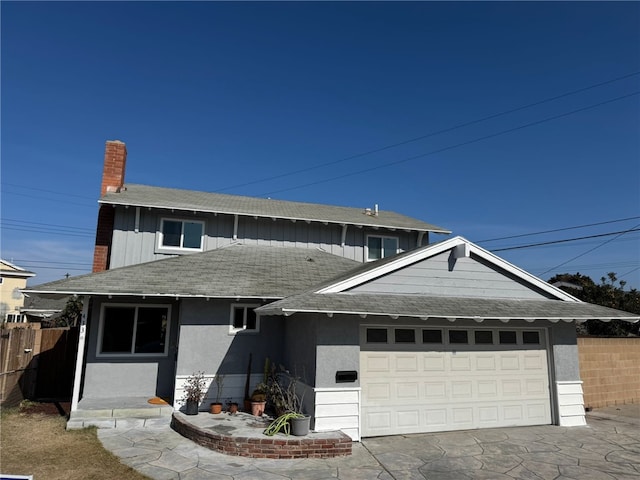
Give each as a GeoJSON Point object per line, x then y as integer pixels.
{"type": "Point", "coordinates": [288, 405]}
{"type": "Point", "coordinates": [232, 407]}
{"type": "Point", "coordinates": [258, 401]}
{"type": "Point", "coordinates": [194, 390]}
{"type": "Point", "coordinates": [216, 407]}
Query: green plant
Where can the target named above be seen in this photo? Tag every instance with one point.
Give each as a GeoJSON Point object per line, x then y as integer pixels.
{"type": "Point", "coordinates": [194, 387]}
{"type": "Point", "coordinates": [280, 388]}
{"type": "Point", "coordinates": [281, 423]}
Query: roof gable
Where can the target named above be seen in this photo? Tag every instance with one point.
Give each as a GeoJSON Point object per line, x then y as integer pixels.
{"type": "Point", "coordinates": [454, 268]}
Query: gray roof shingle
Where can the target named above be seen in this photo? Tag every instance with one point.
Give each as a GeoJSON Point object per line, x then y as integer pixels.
{"type": "Point", "coordinates": [442, 307]}
{"type": "Point", "coordinates": [189, 200]}
{"type": "Point", "coordinates": [233, 271]}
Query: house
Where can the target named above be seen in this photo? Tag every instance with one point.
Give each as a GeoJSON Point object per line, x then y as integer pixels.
{"type": "Point", "coordinates": [43, 309]}
{"type": "Point", "coordinates": [13, 280]}
{"type": "Point", "coordinates": [389, 332]}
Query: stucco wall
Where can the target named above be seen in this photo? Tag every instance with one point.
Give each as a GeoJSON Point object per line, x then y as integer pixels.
{"type": "Point", "coordinates": [338, 348]}
{"type": "Point", "coordinates": [128, 376]}
{"type": "Point", "coordinates": [562, 337]}
{"type": "Point", "coordinates": [609, 368]}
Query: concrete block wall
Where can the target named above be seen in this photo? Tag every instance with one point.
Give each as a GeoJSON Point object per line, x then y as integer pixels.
{"type": "Point", "coordinates": [610, 370]}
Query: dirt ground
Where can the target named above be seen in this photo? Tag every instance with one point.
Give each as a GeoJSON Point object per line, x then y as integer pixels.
{"type": "Point", "coordinates": [35, 442]}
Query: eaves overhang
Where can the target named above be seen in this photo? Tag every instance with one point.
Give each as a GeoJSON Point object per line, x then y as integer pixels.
{"type": "Point", "coordinates": [287, 312]}
{"type": "Point", "coordinates": [387, 226]}
{"type": "Point", "coordinates": [88, 293]}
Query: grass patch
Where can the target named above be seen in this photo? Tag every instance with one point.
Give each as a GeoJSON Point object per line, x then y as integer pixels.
{"type": "Point", "coordinates": [38, 444]}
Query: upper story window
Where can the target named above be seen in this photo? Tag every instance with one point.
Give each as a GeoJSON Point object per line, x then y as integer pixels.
{"type": "Point", "coordinates": [243, 318]}
{"type": "Point", "coordinates": [181, 234]}
{"type": "Point", "coordinates": [381, 247]}
{"type": "Point", "coordinates": [127, 329]}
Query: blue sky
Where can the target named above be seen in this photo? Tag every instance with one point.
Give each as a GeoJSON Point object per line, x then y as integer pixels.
{"type": "Point", "coordinates": [225, 96]}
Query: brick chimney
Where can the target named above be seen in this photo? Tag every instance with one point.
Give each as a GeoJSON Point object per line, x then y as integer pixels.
{"type": "Point", "coordinates": [115, 161]}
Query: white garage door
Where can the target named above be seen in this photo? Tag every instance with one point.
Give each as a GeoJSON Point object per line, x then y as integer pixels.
{"type": "Point", "coordinates": [435, 379]}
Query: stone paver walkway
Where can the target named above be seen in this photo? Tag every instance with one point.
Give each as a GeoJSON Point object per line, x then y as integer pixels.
{"type": "Point", "coordinates": [608, 449]}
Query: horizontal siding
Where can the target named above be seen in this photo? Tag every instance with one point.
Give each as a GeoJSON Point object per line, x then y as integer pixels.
{"type": "Point", "coordinates": [130, 247]}
{"type": "Point", "coordinates": [233, 389]}
{"type": "Point", "coordinates": [570, 404]}
{"type": "Point", "coordinates": [338, 409]}
{"type": "Point", "coordinates": [435, 276]}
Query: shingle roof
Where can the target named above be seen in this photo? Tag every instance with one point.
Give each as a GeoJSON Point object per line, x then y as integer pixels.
{"type": "Point", "coordinates": [442, 307]}
{"type": "Point", "coordinates": [233, 271]}
{"type": "Point", "coordinates": [193, 201]}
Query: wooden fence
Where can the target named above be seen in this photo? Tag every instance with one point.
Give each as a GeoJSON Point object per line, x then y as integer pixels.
{"type": "Point", "coordinates": [36, 363]}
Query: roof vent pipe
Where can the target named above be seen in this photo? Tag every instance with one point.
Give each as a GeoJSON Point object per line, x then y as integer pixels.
{"type": "Point", "coordinates": [375, 210]}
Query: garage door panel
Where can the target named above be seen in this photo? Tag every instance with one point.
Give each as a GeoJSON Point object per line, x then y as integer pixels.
{"type": "Point", "coordinates": [376, 363]}
{"type": "Point", "coordinates": [485, 362]}
{"type": "Point", "coordinates": [493, 386]}
{"type": "Point", "coordinates": [487, 389]}
{"type": "Point", "coordinates": [434, 363]}
{"type": "Point", "coordinates": [509, 362]}
{"type": "Point", "coordinates": [460, 363]}
{"type": "Point", "coordinates": [406, 363]}
{"type": "Point", "coordinates": [435, 391]}
{"type": "Point", "coordinates": [461, 389]}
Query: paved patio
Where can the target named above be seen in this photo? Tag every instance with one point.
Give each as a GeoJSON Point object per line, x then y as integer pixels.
{"type": "Point", "coordinates": [608, 448]}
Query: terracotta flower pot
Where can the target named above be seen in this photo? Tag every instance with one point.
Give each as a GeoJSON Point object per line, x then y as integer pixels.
{"type": "Point", "coordinates": [215, 408]}
{"type": "Point", "coordinates": [257, 408]}
{"type": "Point", "coordinates": [233, 408]}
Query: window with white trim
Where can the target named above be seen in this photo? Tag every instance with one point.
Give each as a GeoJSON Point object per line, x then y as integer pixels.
{"type": "Point", "coordinates": [176, 234]}
{"type": "Point", "coordinates": [127, 329]}
{"type": "Point", "coordinates": [244, 318]}
{"type": "Point", "coordinates": [381, 247]}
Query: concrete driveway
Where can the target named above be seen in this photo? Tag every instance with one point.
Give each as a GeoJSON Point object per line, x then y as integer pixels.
{"type": "Point", "coordinates": [609, 448]}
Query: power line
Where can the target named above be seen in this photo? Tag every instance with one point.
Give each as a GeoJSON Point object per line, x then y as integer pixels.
{"type": "Point", "coordinates": [48, 231]}
{"type": "Point", "coordinates": [632, 229]}
{"type": "Point", "coordinates": [21, 261]}
{"type": "Point", "coordinates": [558, 230]}
{"type": "Point", "coordinates": [553, 242]}
{"type": "Point", "coordinates": [35, 189]}
{"type": "Point", "coordinates": [431, 134]}
{"type": "Point", "coordinates": [629, 272]}
{"type": "Point", "coordinates": [49, 199]}
{"type": "Point", "coordinates": [25, 223]}
{"type": "Point", "coordinates": [452, 147]}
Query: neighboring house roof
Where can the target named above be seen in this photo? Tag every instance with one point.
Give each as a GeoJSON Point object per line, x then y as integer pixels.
{"type": "Point", "coordinates": [337, 296]}
{"type": "Point", "coordinates": [236, 271]}
{"type": "Point", "coordinates": [43, 306]}
{"type": "Point", "coordinates": [193, 201]}
{"type": "Point", "coordinates": [8, 269]}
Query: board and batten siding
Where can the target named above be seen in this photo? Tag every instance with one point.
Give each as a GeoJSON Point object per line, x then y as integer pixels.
{"type": "Point", "coordinates": [130, 247]}
{"type": "Point", "coordinates": [439, 275]}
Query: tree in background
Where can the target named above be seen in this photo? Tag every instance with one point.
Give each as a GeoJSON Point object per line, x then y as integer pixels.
{"type": "Point", "coordinates": [70, 315]}
{"type": "Point", "coordinates": [608, 293]}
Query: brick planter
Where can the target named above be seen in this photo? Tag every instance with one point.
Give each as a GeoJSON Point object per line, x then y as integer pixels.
{"type": "Point", "coordinates": [323, 445]}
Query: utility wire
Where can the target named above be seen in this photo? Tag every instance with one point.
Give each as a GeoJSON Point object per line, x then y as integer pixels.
{"type": "Point", "coordinates": [66, 194]}
{"type": "Point", "coordinates": [21, 261]}
{"type": "Point", "coordinates": [431, 134]}
{"type": "Point", "coordinates": [553, 242]}
{"type": "Point", "coordinates": [557, 230]}
{"type": "Point", "coordinates": [452, 147]}
{"type": "Point", "coordinates": [632, 229]}
{"type": "Point", "coordinates": [12, 221]}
